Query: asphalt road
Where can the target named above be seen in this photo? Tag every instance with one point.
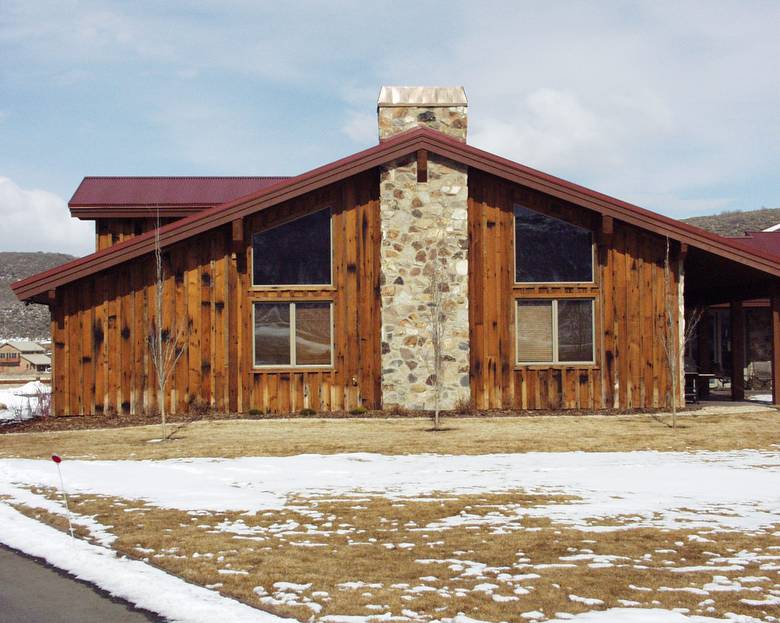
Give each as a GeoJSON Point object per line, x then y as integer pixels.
{"type": "Point", "coordinates": [32, 592]}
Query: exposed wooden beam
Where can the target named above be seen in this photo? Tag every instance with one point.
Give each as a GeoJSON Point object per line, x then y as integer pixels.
{"type": "Point", "coordinates": [683, 251]}
{"type": "Point", "coordinates": [737, 351]}
{"type": "Point", "coordinates": [605, 234]}
{"type": "Point", "coordinates": [422, 166]}
{"type": "Point", "coordinates": [238, 235]}
{"type": "Point", "coordinates": [775, 322]}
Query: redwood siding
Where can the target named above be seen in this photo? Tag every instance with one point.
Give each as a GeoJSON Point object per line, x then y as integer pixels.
{"type": "Point", "coordinates": [110, 231]}
{"type": "Point", "coordinates": [629, 369]}
{"type": "Point", "coordinates": [100, 324]}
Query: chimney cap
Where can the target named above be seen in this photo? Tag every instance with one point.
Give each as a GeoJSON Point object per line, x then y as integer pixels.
{"type": "Point", "coordinates": [422, 96]}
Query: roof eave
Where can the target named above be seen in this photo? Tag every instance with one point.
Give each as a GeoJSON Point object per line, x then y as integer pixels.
{"type": "Point", "coordinates": [33, 288]}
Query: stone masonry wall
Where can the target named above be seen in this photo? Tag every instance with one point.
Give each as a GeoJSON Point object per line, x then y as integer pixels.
{"type": "Point", "coordinates": [450, 120]}
{"type": "Point", "coordinates": [424, 227]}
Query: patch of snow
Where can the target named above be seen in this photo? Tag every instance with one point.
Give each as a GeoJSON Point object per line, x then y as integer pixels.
{"type": "Point", "coordinates": [650, 615]}
{"type": "Point", "coordinates": [588, 601]}
{"type": "Point", "coordinates": [737, 490]}
{"type": "Point", "coordinates": [22, 400]}
{"type": "Point", "coordinates": [145, 586]}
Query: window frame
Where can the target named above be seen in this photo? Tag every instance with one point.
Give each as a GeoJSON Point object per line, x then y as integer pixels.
{"type": "Point", "coordinates": [292, 286]}
{"type": "Point", "coordinates": [550, 283]}
{"type": "Point", "coordinates": [293, 365]}
{"type": "Point", "coordinates": [555, 358]}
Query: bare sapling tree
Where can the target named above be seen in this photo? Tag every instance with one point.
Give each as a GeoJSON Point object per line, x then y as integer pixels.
{"type": "Point", "coordinates": [437, 273]}
{"type": "Point", "coordinates": [675, 337]}
{"type": "Point", "coordinates": [166, 346]}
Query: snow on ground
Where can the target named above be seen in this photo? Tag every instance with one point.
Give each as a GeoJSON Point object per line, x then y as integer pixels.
{"type": "Point", "coordinates": [738, 490]}
{"type": "Point", "coordinates": [145, 586]}
{"type": "Point", "coordinates": [178, 601]}
{"type": "Point", "coordinates": [712, 490]}
{"type": "Point", "coordinates": [21, 399]}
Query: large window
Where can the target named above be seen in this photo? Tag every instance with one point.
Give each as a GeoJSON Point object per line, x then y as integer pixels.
{"type": "Point", "coordinates": [293, 334]}
{"type": "Point", "coordinates": [296, 253]}
{"type": "Point", "coordinates": [555, 331]}
{"type": "Point", "coordinates": [548, 250]}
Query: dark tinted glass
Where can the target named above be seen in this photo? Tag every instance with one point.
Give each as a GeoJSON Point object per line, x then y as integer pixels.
{"type": "Point", "coordinates": [550, 250]}
{"type": "Point", "coordinates": [272, 334]}
{"type": "Point", "coordinates": [296, 253]}
{"type": "Point", "coordinates": [575, 330]}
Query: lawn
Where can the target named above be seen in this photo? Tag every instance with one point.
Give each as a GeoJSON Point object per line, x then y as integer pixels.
{"type": "Point", "coordinates": [358, 520]}
{"type": "Point", "coordinates": [286, 437]}
{"type": "Point", "coordinates": [423, 538]}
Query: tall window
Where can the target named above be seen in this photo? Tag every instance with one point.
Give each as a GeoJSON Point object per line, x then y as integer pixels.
{"type": "Point", "coordinates": [555, 331]}
{"type": "Point", "coordinates": [548, 250]}
{"type": "Point", "coordinates": [293, 334]}
{"type": "Point", "coordinates": [296, 253]}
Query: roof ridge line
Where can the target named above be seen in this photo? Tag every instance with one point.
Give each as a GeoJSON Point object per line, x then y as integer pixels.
{"type": "Point", "coordinates": [388, 150]}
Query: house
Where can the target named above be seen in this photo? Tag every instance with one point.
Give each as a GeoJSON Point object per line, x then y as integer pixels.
{"type": "Point", "coordinates": [316, 291]}
{"type": "Point", "coordinates": [20, 357]}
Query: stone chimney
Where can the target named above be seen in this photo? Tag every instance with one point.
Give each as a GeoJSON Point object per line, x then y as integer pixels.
{"type": "Point", "coordinates": [439, 108]}
{"type": "Point", "coordinates": [424, 222]}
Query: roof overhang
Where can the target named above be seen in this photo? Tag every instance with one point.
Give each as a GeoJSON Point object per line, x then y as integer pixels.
{"type": "Point", "coordinates": [90, 213]}
{"type": "Point", "coordinates": [37, 287]}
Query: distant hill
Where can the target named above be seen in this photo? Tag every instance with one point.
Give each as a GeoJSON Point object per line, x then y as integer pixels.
{"type": "Point", "coordinates": [16, 318]}
{"type": "Point", "coordinates": [737, 223]}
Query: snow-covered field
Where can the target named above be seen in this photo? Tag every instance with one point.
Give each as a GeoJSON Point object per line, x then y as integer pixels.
{"type": "Point", "coordinates": [739, 490]}
{"type": "Point", "coordinates": [709, 492]}
{"type": "Point", "coordinates": [21, 402]}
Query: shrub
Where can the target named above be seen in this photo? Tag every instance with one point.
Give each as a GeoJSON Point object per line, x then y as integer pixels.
{"type": "Point", "coordinates": [357, 411]}
{"type": "Point", "coordinates": [398, 411]}
{"type": "Point", "coordinates": [255, 412]}
{"type": "Point", "coordinates": [465, 406]}
{"type": "Point", "coordinates": [307, 411]}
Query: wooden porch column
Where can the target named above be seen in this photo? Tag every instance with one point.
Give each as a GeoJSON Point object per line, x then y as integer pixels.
{"type": "Point", "coordinates": [774, 302]}
{"type": "Point", "coordinates": [737, 351]}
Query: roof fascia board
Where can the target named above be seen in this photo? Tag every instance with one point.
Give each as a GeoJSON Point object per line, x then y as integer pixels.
{"type": "Point", "coordinates": [135, 211]}
{"type": "Point", "coordinates": [604, 204]}
{"type": "Point", "coordinates": [405, 144]}
{"type": "Point", "coordinates": [219, 215]}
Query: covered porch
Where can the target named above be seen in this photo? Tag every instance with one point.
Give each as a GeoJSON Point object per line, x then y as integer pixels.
{"type": "Point", "coordinates": [736, 342]}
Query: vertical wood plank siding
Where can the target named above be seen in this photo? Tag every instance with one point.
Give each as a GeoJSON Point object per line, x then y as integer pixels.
{"type": "Point", "coordinates": [109, 231]}
{"type": "Point", "coordinates": [629, 369]}
{"type": "Point", "coordinates": [100, 324]}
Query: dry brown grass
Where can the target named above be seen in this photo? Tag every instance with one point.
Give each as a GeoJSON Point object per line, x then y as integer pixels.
{"type": "Point", "coordinates": [234, 438]}
{"type": "Point", "coordinates": [324, 543]}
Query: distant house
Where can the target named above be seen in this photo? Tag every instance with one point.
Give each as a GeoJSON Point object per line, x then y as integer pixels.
{"type": "Point", "coordinates": [19, 357]}
{"type": "Point", "coordinates": [319, 291]}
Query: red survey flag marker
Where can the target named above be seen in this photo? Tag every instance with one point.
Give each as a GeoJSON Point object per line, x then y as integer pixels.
{"type": "Point", "coordinates": [57, 460]}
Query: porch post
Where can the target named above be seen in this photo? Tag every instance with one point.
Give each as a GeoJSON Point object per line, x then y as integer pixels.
{"type": "Point", "coordinates": [774, 302]}
{"type": "Point", "coordinates": [737, 351]}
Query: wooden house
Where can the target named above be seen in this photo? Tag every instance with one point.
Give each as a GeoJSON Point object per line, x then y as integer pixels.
{"type": "Point", "coordinates": [417, 272]}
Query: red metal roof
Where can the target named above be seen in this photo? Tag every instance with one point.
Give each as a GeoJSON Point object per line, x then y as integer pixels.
{"type": "Point", "coordinates": [36, 287]}
{"type": "Point", "coordinates": [101, 196]}
{"type": "Point", "coordinates": [765, 241]}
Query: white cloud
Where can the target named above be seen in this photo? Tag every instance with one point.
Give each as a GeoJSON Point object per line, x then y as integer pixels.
{"type": "Point", "coordinates": [39, 221]}
{"type": "Point", "coordinates": [654, 99]}
{"type": "Point", "coordinates": [361, 127]}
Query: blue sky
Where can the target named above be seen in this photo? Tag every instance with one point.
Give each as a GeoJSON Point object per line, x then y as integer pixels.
{"type": "Point", "coordinates": [671, 105]}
